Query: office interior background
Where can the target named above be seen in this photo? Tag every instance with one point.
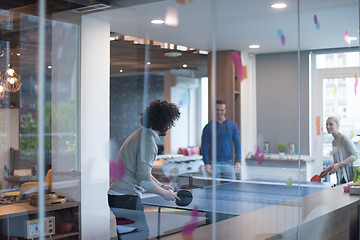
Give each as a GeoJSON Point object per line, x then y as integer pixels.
{"type": "Point", "coordinates": [281, 71]}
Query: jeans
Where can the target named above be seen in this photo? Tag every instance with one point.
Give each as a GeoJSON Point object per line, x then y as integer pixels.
{"type": "Point", "coordinates": [225, 170]}
{"type": "Point", "coordinates": [130, 207]}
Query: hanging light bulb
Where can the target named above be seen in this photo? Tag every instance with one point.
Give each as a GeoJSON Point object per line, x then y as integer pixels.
{"type": "Point", "coordinates": [10, 71]}
{"type": "Point", "coordinates": [11, 81]}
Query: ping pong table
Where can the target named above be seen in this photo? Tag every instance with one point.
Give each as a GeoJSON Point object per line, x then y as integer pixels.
{"type": "Point", "coordinates": [240, 197]}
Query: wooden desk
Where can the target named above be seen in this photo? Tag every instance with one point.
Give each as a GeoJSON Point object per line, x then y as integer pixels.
{"type": "Point", "coordinates": [13, 218]}
{"type": "Point", "coordinates": [328, 214]}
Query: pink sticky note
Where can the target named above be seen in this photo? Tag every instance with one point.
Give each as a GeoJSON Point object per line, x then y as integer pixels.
{"type": "Point", "coordinates": [191, 225]}
{"type": "Point", "coordinates": [261, 160]}
{"type": "Point", "coordinates": [238, 64]}
{"type": "Point", "coordinates": [117, 170]}
{"type": "Point", "coordinates": [347, 38]}
{"type": "Point", "coordinates": [257, 152]}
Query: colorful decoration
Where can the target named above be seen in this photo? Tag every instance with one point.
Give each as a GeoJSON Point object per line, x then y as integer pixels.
{"type": "Point", "coordinates": [238, 64]}
{"type": "Point", "coordinates": [317, 124]}
{"type": "Point", "coordinates": [347, 39]}
{"type": "Point", "coordinates": [261, 160]}
{"type": "Point", "coordinates": [315, 19]}
{"type": "Point", "coordinates": [117, 169]}
{"type": "Point", "coordinates": [317, 23]}
{"type": "Point", "coordinates": [289, 182]}
{"type": "Point", "coordinates": [190, 226]}
{"type": "Point", "coordinates": [283, 41]}
{"type": "Point", "coordinates": [356, 82]}
{"type": "Point", "coordinates": [281, 36]}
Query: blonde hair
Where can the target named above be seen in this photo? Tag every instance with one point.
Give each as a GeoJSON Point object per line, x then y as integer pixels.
{"type": "Point", "coordinates": [335, 119]}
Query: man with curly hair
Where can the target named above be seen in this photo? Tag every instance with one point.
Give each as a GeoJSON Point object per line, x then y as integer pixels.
{"type": "Point", "coordinates": [137, 154]}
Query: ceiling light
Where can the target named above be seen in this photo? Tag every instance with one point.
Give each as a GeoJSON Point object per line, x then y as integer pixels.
{"type": "Point", "coordinates": [203, 52]}
{"type": "Point", "coordinates": [184, 65]}
{"type": "Point", "coordinates": [18, 54]}
{"type": "Point", "coordinates": [254, 46]}
{"type": "Point", "coordinates": [114, 38]}
{"type": "Point", "coordinates": [278, 5]}
{"type": "Point", "coordinates": [148, 63]}
{"type": "Point", "coordinates": [49, 67]}
{"type": "Point", "coordinates": [121, 70]}
{"type": "Point", "coordinates": [157, 21]}
{"type": "Point", "coordinates": [173, 54]}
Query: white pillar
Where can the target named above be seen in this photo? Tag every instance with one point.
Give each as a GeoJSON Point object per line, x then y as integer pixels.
{"type": "Point", "coordinates": [95, 78]}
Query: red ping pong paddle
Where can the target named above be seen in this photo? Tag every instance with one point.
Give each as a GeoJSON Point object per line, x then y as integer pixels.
{"type": "Point", "coordinates": [315, 178]}
{"type": "Point", "coordinates": [185, 197]}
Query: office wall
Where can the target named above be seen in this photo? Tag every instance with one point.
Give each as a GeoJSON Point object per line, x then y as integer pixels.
{"type": "Point", "coordinates": [277, 101]}
{"type": "Point", "coordinates": [127, 102]}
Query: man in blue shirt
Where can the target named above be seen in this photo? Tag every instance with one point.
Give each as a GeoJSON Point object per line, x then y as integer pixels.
{"type": "Point", "coordinates": [227, 134]}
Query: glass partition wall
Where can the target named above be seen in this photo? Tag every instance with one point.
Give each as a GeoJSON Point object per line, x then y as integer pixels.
{"type": "Point", "coordinates": [21, 172]}
{"type": "Point", "coordinates": [264, 77]}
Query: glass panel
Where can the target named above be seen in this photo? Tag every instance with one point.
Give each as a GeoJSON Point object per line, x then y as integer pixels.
{"type": "Point", "coordinates": [272, 105]}
{"type": "Point", "coordinates": [337, 60]}
{"type": "Point", "coordinates": [19, 123]}
{"type": "Point", "coordinates": [340, 100]}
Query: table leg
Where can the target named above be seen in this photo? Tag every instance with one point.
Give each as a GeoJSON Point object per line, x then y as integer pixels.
{"type": "Point", "coordinates": [159, 213]}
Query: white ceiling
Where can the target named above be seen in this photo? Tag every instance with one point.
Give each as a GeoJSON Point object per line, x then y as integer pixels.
{"type": "Point", "coordinates": [240, 23]}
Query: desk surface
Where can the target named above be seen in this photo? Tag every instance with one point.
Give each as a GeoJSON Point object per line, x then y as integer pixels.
{"type": "Point", "coordinates": [239, 198]}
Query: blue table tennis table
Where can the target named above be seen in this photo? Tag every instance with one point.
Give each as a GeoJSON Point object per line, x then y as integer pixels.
{"type": "Point", "coordinates": [240, 197]}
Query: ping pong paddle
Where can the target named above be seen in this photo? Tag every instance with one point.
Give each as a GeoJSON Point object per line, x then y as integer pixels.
{"type": "Point", "coordinates": [185, 198]}
{"type": "Point", "coordinates": [315, 178]}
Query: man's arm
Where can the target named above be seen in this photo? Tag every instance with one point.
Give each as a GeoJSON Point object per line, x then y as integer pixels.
{"type": "Point", "coordinates": [205, 140]}
{"type": "Point", "coordinates": [237, 144]}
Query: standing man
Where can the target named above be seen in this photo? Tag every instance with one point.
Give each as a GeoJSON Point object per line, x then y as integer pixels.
{"type": "Point", "coordinates": [137, 154]}
{"type": "Point", "coordinates": [227, 134]}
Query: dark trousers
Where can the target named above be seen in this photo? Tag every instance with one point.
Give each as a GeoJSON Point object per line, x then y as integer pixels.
{"type": "Point", "coordinates": [130, 207]}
